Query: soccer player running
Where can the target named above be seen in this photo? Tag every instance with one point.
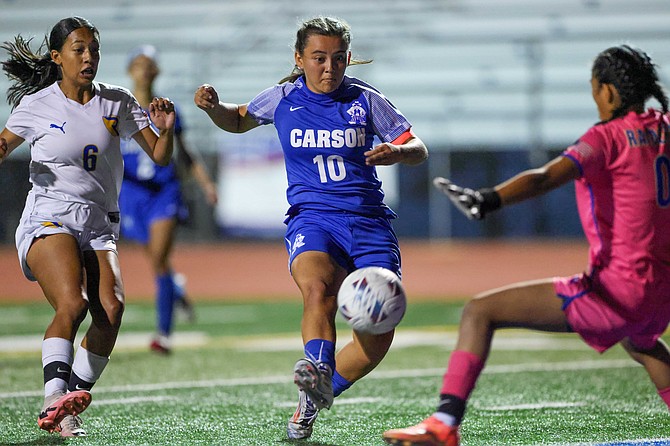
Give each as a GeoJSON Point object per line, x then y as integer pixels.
{"type": "Point", "coordinates": [337, 220]}
{"type": "Point", "coordinates": [67, 235]}
{"type": "Point", "coordinates": [621, 169]}
{"type": "Point", "coordinates": [151, 202]}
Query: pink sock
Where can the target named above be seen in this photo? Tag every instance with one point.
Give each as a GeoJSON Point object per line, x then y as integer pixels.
{"type": "Point", "coordinates": [665, 396]}
{"type": "Point", "coordinates": [462, 373]}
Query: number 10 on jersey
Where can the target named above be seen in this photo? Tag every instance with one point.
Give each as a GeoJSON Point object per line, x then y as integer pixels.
{"type": "Point", "coordinates": [331, 169]}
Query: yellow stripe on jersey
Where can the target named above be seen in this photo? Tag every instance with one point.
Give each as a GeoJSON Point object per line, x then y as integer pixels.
{"type": "Point", "coordinates": [111, 122]}
{"type": "Point", "coordinates": [52, 224]}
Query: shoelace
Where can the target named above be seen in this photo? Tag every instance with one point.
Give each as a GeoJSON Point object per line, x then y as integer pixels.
{"type": "Point", "coordinates": [71, 423]}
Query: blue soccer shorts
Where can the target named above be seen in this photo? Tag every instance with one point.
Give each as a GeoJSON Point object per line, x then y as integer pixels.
{"type": "Point", "coordinates": [141, 206]}
{"type": "Point", "coordinates": [353, 241]}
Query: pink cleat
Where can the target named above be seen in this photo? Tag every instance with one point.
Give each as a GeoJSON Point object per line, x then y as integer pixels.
{"type": "Point", "coordinates": [58, 406]}
{"type": "Point", "coordinates": [430, 432]}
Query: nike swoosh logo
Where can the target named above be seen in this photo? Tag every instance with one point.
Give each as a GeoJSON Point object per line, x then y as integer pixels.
{"type": "Point", "coordinates": [46, 412]}
{"type": "Point", "coordinates": [59, 370]}
{"type": "Point", "coordinates": [292, 108]}
{"type": "Point", "coordinates": [76, 387]}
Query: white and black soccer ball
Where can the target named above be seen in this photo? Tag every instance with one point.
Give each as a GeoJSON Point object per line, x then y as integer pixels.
{"type": "Point", "coordinates": [372, 300]}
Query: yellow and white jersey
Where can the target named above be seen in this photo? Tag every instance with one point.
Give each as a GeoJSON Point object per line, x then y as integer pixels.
{"type": "Point", "coordinates": [74, 148]}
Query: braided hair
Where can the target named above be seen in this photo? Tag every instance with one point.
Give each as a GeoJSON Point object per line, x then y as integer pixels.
{"type": "Point", "coordinates": [323, 26]}
{"type": "Point", "coordinates": [634, 76]}
{"type": "Point", "coordinates": [31, 72]}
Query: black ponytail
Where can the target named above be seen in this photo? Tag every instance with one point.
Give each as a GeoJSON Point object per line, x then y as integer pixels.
{"type": "Point", "coordinates": [31, 72]}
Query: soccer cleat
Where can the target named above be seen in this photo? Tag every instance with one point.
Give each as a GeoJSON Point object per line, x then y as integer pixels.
{"type": "Point", "coordinates": [315, 379]}
{"type": "Point", "coordinates": [183, 304]}
{"type": "Point", "coordinates": [301, 423]}
{"type": "Point", "coordinates": [430, 432]}
{"type": "Point", "coordinates": [71, 427]}
{"type": "Point", "coordinates": [160, 344]}
{"type": "Point", "coordinates": [58, 406]}
{"type": "Point", "coordinates": [185, 309]}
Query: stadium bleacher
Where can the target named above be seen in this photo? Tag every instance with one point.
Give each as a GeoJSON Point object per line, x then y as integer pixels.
{"type": "Point", "coordinates": [472, 75]}
{"type": "Point", "coordinates": [466, 60]}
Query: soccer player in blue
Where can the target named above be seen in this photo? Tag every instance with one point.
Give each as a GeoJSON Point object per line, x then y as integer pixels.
{"type": "Point", "coordinates": [151, 202]}
{"type": "Point", "coordinates": [337, 221]}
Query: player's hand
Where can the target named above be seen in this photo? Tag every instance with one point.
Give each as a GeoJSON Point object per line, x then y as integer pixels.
{"type": "Point", "coordinates": [161, 112]}
{"type": "Point", "coordinates": [385, 154]}
{"type": "Point", "coordinates": [206, 97]}
{"type": "Point", "coordinates": [474, 204]}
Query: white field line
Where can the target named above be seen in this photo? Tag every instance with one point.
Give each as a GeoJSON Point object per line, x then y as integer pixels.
{"type": "Point", "coordinates": [403, 339]}
{"type": "Point", "coordinates": [135, 400]}
{"type": "Point", "coordinates": [377, 374]}
{"type": "Point", "coordinates": [126, 341]}
{"type": "Point", "coordinates": [534, 406]}
{"type": "Point", "coordinates": [522, 340]}
{"type": "Point", "coordinates": [340, 401]}
{"type": "Point", "coordinates": [392, 374]}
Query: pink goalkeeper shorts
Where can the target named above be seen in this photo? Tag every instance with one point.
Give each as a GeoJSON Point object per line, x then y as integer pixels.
{"type": "Point", "coordinates": [601, 327]}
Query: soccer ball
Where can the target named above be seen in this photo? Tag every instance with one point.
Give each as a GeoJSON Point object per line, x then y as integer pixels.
{"type": "Point", "coordinates": [372, 300]}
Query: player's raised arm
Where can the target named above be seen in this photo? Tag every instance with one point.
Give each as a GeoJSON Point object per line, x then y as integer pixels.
{"type": "Point", "coordinates": [229, 117]}
{"type": "Point", "coordinates": [476, 204]}
{"type": "Point", "coordinates": [159, 146]}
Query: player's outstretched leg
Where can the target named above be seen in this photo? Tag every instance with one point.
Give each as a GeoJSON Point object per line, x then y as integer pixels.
{"type": "Point", "coordinates": [430, 432]}
{"type": "Point", "coordinates": [57, 406]}
{"type": "Point", "coordinates": [315, 379]}
{"type": "Point", "coordinates": [301, 423]}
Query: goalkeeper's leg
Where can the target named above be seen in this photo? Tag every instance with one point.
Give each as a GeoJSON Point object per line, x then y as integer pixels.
{"type": "Point", "coordinates": [525, 305]}
{"type": "Point", "coordinates": [530, 304]}
{"type": "Point", "coordinates": [656, 361]}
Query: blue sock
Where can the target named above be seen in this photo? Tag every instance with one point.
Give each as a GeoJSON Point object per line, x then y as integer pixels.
{"type": "Point", "coordinates": [164, 303]}
{"type": "Point", "coordinates": [320, 350]}
{"type": "Point", "coordinates": [340, 384]}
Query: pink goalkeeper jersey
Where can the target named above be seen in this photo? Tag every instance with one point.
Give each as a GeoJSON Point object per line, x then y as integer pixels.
{"type": "Point", "coordinates": [623, 198]}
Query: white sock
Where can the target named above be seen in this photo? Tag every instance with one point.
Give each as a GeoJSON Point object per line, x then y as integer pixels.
{"type": "Point", "coordinates": [56, 350]}
{"type": "Point", "coordinates": [88, 366]}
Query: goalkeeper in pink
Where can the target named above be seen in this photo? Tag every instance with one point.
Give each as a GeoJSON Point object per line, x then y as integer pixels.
{"type": "Point", "coordinates": [621, 169]}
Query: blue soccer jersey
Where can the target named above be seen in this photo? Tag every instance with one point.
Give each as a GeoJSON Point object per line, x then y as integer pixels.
{"type": "Point", "coordinates": [324, 136]}
{"type": "Point", "coordinates": [150, 192]}
{"type": "Point", "coordinates": [140, 169]}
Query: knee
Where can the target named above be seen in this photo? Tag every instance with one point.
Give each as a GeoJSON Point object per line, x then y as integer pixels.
{"type": "Point", "coordinates": [639, 353]}
{"type": "Point", "coordinates": [108, 316]}
{"type": "Point", "coordinates": [315, 295]}
{"type": "Point", "coordinates": [115, 312]}
{"type": "Point", "coordinates": [476, 310]}
{"type": "Point", "coordinates": [74, 311]}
